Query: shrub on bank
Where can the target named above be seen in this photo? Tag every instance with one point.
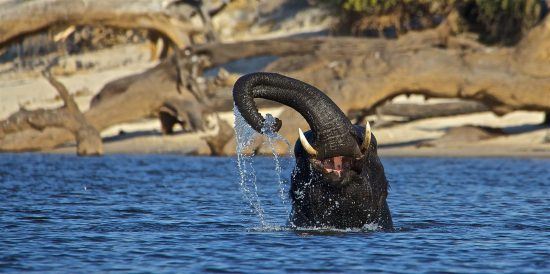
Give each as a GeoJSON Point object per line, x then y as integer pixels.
{"type": "Point", "coordinates": [497, 21]}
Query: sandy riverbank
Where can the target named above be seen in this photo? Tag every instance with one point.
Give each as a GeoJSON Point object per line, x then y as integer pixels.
{"type": "Point", "coordinates": [524, 137]}
{"type": "Point", "coordinates": [528, 141]}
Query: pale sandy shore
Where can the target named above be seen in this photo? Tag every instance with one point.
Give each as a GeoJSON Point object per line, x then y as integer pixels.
{"type": "Point", "coordinates": [473, 151]}
{"type": "Point", "coordinates": [518, 145]}
{"type": "Point", "coordinates": [176, 145]}
{"type": "Point", "coordinates": [525, 138]}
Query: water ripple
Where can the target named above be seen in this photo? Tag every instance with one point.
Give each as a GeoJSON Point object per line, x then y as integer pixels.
{"type": "Point", "coordinates": [169, 213]}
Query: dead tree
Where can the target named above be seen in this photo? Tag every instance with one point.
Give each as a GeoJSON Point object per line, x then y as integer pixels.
{"type": "Point", "coordinates": [68, 118]}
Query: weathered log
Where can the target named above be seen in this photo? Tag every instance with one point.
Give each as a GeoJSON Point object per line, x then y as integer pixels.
{"type": "Point", "coordinates": [143, 94]}
{"type": "Point", "coordinates": [18, 18]}
{"type": "Point", "coordinates": [218, 142]}
{"type": "Point", "coordinates": [160, 47]}
{"type": "Point", "coordinates": [363, 73]}
{"type": "Point", "coordinates": [411, 112]}
{"type": "Point", "coordinates": [188, 114]}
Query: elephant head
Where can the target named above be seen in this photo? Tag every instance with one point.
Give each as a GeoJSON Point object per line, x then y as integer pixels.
{"type": "Point", "coordinates": [339, 180]}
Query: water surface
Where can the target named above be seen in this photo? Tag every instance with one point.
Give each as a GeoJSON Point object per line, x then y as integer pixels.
{"type": "Point", "coordinates": [168, 213]}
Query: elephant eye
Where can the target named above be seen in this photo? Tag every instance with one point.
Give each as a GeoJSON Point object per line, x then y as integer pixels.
{"type": "Point", "coordinates": [328, 163]}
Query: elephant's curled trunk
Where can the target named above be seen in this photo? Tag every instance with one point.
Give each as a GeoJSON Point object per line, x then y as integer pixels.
{"type": "Point", "coordinates": [333, 132]}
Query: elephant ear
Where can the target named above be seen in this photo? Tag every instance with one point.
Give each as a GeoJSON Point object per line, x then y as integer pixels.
{"type": "Point", "coordinates": [333, 132]}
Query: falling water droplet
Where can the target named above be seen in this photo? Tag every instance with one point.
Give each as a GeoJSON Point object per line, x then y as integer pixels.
{"type": "Point", "coordinates": [272, 138]}
{"type": "Point", "coordinates": [245, 135]}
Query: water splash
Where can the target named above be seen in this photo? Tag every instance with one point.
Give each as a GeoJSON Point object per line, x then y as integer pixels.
{"type": "Point", "coordinates": [320, 230]}
{"type": "Point", "coordinates": [245, 136]}
{"type": "Point", "coordinates": [272, 138]}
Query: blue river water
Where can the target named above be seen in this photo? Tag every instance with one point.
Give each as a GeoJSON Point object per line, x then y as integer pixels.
{"type": "Point", "coordinates": [177, 214]}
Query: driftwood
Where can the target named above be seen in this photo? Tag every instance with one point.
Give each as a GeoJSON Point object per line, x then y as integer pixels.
{"type": "Point", "coordinates": [218, 142]}
{"type": "Point", "coordinates": [359, 74]}
{"type": "Point", "coordinates": [68, 118]}
{"type": "Point", "coordinates": [188, 114]}
{"type": "Point", "coordinates": [171, 19]}
{"type": "Point", "coordinates": [411, 112]}
{"type": "Point", "coordinates": [463, 135]}
{"type": "Point", "coordinates": [124, 100]}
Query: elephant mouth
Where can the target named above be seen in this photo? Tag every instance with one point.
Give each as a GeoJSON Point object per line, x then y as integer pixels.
{"type": "Point", "coordinates": [337, 168]}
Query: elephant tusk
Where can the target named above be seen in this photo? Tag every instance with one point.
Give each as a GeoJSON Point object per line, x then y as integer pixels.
{"type": "Point", "coordinates": [366, 141]}
{"type": "Point", "coordinates": [310, 150]}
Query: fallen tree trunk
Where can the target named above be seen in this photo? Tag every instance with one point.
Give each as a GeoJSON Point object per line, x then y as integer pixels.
{"type": "Point", "coordinates": [375, 71]}
{"type": "Point", "coordinates": [19, 18]}
{"type": "Point", "coordinates": [359, 74]}
{"type": "Point", "coordinates": [411, 112]}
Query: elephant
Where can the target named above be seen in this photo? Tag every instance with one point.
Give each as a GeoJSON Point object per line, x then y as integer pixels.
{"type": "Point", "coordinates": [338, 180]}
